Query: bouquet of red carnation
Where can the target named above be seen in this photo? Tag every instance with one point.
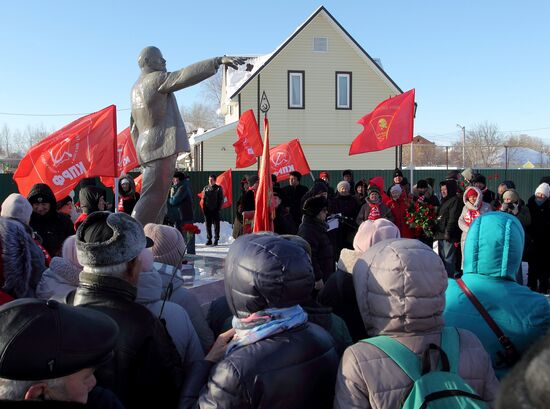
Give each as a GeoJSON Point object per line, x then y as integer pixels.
{"type": "Point", "coordinates": [190, 228]}
{"type": "Point", "coordinates": [421, 218]}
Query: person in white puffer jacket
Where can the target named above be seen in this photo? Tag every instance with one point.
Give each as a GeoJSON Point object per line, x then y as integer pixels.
{"type": "Point", "coordinates": [61, 277]}
{"type": "Point", "coordinates": [168, 251]}
{"type": "Point", "coordinates": [178, 324]}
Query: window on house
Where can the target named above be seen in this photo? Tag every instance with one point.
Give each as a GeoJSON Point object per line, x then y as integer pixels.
{"type": "Point", "coordinates": [343, 90]}
{"type": "Point", "coordinates": [320, 44]}
{"type": "Point", "coordinates": [296, 90]}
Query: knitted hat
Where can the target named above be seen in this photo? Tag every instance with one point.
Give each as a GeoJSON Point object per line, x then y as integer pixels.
{"type": "Point", "coordinates": [343, 184]}
{"type": "Point", "coordinates": [373, 188]}
{"type": "Point", "coordinates": [397, 172]}
{"type": "Point", "coordinates": [324, 174]}
{"type": "Point", "coordinates": [314, 205]}
{"type": "Point", "coordinates": [169, 246]}
{"type": "Point", "coordinates": [371, 232]}
{"type": "Point", "coordinates": [512, 195]}
{"type": "Point", "coordinates": [543, 188]}
{"type": "Point", "coordinates": [471, 192]}
{"type": "Point", "coordinates": [68, 251]}
{"type": "Point", "coordinates": [396, 188]}
{"type": "Point", "coordinates": [17, 207]}
{"type": "Point", "coordinates": [107, 239]}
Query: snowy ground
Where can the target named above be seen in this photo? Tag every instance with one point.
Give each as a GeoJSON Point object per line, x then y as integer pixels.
{"type": "Point", "coordinates": [219, 251]}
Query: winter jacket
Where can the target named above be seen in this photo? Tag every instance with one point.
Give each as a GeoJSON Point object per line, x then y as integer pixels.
{"type": "Point", "coordinates": [127, 200]}
{"type": "Point", "coordinates": [399, 212]}
{"type": "Point", "coordinates": [185, 298]}
{"type": "Point", "coordinates": [538, 232]}
{"type": "Point", "coordinates": [53, 228]}
{"type": "Point", "coordinates": [400, 285]}
{"type": "Point", "coordinates": [58, 280]}
{"type": "Point", "coordinates": [180, 203]}
{"type": "Point", "coordinates": [339, 294]}
{"type": "Point", "coordinates": [212, 198]}
{"type": "Point", "coordinates": [492, 256]}
{"type": "Point", "coordinates": [465, 219]}
{"type": "Point", "coordinates": [447, 215]}
{"type": "Point", "coordinates": [292, 198]}
{"type": "Point", "coordinates": [314, 231]}
{"type": "Point", "coordinates": [89, 202]}
{"type": "Point", "coordinates": [385, 212]}
{"type": "Point", "coordinates": [291, 369]}
{"type": "Point", "coordinates": [177, 321]}
{"type": "Point", "coordinates": [146, 370]}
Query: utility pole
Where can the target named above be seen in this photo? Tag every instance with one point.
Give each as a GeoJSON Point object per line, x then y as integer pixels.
{"type": "Point", "coordinates": [463, 145]}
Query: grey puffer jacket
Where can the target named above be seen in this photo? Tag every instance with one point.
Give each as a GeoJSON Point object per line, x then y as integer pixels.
{"type": "Point", "coordinates": [178, 324]}
{"type": "Point", "coordinates": [292, 369]}
{"type": "Point", "coordinates": [400, 286]}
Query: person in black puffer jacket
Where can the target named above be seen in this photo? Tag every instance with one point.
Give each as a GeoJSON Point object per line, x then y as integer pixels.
{"type": "Point", "coordinates": [52, 227]}
{"type": "Point", "coordinates": [447, 231]}
{"type": "Point", "coordinates": [278, 359]}
{"type": "Point", "coordinates": [314, 230]}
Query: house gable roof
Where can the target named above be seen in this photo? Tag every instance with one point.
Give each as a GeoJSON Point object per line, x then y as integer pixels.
{"type": "Point", "coordinates": [376, 67]}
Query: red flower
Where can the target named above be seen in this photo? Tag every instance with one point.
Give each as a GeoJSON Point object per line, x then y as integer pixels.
{"type": "Point", "coordinates": [190, 228]}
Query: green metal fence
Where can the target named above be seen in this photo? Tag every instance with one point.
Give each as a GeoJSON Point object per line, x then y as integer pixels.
{"type": "Point", "coordinates": [526, 181]}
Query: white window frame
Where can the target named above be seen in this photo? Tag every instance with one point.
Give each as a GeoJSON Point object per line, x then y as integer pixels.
{"type": "Point", "coordinates": [348, 75]}
{"type": "Point", "coordinates": [301, 92]}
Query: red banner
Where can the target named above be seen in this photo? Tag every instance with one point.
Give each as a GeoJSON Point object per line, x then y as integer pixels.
{"type": "Point", "coordinates": [288, 157]}
{"type": "Point", "coordinates": [390, 124]}
{"type": "Point", "coordinates": [84, 148]}
{"type": "Point", "coordinates": [263, 219]}
{"type": "Point", "coordinates": [249, 145]}
{"type": "Point", "coordinates": [126, 157]}
{"type": "Point", "coordinates": [225, 180]}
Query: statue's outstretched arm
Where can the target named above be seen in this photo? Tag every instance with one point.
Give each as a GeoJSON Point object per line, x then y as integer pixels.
{"type": "Point", "coordinates": [195, 73]}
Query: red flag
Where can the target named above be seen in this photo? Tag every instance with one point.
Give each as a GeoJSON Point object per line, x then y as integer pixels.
{"type": "Point", "coordinates": [390, 124]}
{"type": "Point", "coordinates": [263, 221]}
{"type": "Point", "coordinates": [288, 157]}
{"type": "Point", "coordinates": [84, 148]}
{"type": "Point", "coordinates": [138, 181]}
{"type": "Point", "coordinates": [225, 180]}
{"type": "Point", "coordinates": [249, 144]}
{"type": "Point", "coordinates": [127, 157]}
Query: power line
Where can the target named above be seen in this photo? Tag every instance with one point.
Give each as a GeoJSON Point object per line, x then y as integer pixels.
{"type": "Point", "coordinates": [76, 114]}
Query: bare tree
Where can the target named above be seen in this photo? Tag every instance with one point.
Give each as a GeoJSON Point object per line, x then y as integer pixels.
{"type": "Point", "coordinates": [200, 115]}
{"type": "Point", "coordinates": [212, 89]}
{"type": "Point", "coordinates": [483, 146]}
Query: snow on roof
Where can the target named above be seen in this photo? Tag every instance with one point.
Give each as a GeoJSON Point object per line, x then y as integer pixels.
{"type": "Point", "coordinates": [236, 78]}
{"type": "Point", "coordinates": [201, 137]}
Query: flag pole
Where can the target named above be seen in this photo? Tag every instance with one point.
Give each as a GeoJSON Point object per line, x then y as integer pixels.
{"type": "Point", "coordinates": [115, 188]}
{"type": "Point", "coordinates": [412, 165]}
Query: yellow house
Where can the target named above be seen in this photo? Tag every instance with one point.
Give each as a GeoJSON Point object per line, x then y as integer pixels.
{"type": "Point", "coordinates": [319, 83]}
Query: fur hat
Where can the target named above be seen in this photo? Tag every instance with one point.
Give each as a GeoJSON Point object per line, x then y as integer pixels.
{"type": "Point", "coordinates": [468, 174]}
{"type": "Point", "coordinates": [71, 339]}
{"type": "Point", "coordinates": [544, 189]}
{"type": "Point", "coordinates": [107, 239]}
{"type": "Point", "coordinates": [512, 195]}
{"type": "Point", "coordinates": [17, 207]}
{"type": "Point", "coordinates": [343, 184]}
{"type": "Point", "coordinates": [314, 205]}
{"type": "Point", "coordinates": [397, 172]}
{"type": "Point", "coordinates": [371, 232]}
{"type": "Point", "coordinates": [169, 246]}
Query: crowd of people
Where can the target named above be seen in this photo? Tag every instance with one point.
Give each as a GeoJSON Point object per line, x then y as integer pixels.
{"type": "Point", "coordinates": [362, 297]}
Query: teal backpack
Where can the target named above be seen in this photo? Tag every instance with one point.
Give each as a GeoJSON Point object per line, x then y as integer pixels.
{"type": "Point", "coordinates": [441, 388]}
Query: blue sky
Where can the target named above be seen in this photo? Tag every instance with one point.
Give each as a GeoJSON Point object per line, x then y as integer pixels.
{"type": "Point", "coordinates": [470, 61]}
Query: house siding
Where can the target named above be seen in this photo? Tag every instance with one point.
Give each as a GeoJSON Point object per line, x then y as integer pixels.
{"type": "Point", "coordinates": [324, 131]}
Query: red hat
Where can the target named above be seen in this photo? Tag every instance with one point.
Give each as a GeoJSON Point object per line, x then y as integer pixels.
{"type": "Point", "coordinates": [471, 192]}
{"type": "Point", "coordinates": [324, 174]}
